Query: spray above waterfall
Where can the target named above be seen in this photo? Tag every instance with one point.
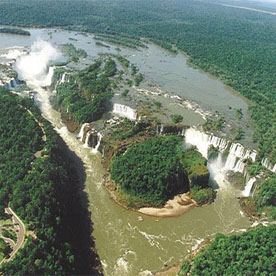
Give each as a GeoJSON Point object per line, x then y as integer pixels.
{"type": "Point", "coordinates": [34, 66]}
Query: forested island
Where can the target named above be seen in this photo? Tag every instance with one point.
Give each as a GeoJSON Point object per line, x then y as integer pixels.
{"type": "Point", "coordinates": [153, 171]}
{"type": "Point", "coordinates": [87, 99]}
{"type": "Point", "coordinates": [14, 31]}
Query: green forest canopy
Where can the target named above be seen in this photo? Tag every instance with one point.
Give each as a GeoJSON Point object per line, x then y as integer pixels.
{"type": "Point", "coordinates": [251, 253]}
{"type": "Point", "coordinates": [86, 99]}
{"type": "Point", "coordinates": [43, 191]}
{"type": "Point", "coordinates": [157, 169]}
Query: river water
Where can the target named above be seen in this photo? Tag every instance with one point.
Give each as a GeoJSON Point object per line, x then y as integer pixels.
{"type": "Point", "coordinates": [125, 244]}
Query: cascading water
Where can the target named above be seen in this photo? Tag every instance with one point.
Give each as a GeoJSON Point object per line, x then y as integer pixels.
{"type": "Point", "coordinates": [91, 137]}
{"type": "Point", "coordinates": [99, 142]}
{"type": "Point", "coordinates": [125, 111]}
{"type": "Point", "coordinates": [63, 78]}
{"type": "Point", "coordinates": [248, 187]}
{"type": "Point", "coordinates": [82, 131]}
{"type": "Point", "coordinates": [8, 85]}
{"type": "Point", "coordinates": [237, 153]}
{"type": "Point", "coordinates": [268, 165]}
{"type": "Point", "coordinates": [86, 143]}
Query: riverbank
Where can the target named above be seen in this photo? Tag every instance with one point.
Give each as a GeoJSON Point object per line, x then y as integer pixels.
{"type": "Point", "coordinates": [179, 205]}
{"type": "Point", "coordinates": [175, 270]}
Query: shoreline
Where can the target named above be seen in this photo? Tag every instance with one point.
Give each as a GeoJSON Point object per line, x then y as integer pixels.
{"type": "Point", "coordinates": [175, 269]}
{"type": "Point", "coordinates": [179, 205]}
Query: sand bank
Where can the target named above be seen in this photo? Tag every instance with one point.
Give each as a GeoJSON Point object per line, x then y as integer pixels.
{"type": "Point", "coordinates": [177, 206]}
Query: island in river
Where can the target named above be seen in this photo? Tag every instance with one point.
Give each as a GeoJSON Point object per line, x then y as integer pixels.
{"type": "Point", "coordinates": [14, 31]}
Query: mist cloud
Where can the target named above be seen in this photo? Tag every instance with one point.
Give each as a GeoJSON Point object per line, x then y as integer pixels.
{"type": "Point", "coordinates": [34, 66]}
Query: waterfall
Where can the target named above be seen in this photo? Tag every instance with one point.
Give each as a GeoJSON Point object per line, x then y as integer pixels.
{"type": "Point", "coordinates": [248, 187]}
{"type": "Point", "coordinates": [81, 133]}
{"type": "Point", "coordinates": [7, 85]}
{"type": "Point", "coordinates": [160, 129]}
{"type": "Point", "coordinates": [63, 78]}
{"type": "Point", "coordinates": [239, 166]}
{"type": "Point", "coordinates": [237, 153]}
{"type": "Point", "coordinates": [198, 139]}
{"type": "Point", "coordinates": [48, 80]}
{"type": "Point", "coordinates": [91, 137]}
{"type": "Point", "coordinates": [265, 162]}
{"type": "Point", "coordinates": [99, 136]}
{"type": "Point", "coordinates": [86, 144]}
{"type": "Point", "coordinates": [125, 111]}
{"type": "Point", "coordinates": [12, 83]}
{"type": "Point", "coordinates": [202, 141]}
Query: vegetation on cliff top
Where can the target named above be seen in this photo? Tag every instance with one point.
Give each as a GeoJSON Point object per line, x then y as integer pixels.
{"type": "Point", "coordinates": [266, 197]}
{"type": "Point", "coordinates": [263, 200]}
{"type": "Point", "coordinates": [44, 192]}
{"type": "Point", "coordinates": [250, 253]}
{"type": "Point", "coordinates": [156, 169]}
{"type": "Point", "coordinates": [86, 96]}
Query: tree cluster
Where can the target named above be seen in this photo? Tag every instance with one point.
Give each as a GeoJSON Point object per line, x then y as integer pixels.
{"type": "Point", "coordinates": [44, 193]}
{"type": "Point", "coordinates": [251, 253]}
{"type": "Point", "coordinates": [86, 97]}
{"type": "Point", "coordinates": [157, 169]}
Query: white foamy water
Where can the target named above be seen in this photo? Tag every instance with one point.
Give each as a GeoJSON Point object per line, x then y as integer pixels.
{"type": "Point", "coordinates": [34, 67]}
{"type": "Point", "coordinates": [237, 153]}
{"type": "Point", "coordinates": [13, 54]}
{"type": "Point", "coordinates": [248, 187]}
{"type": "Point", "coordinates": [125, 111]}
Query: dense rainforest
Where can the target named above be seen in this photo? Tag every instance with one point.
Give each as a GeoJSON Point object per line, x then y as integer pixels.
{"type": "Point", "coordinates": [251, 253]}
{"type": "Point", "coordinates": [86, 96]}
{"type": "Point", "coordinates": [42, 186]}
{"type": "Point", "coordinates": [236, 45]}
{"type": "Point", "coordinates": [156, 169]}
